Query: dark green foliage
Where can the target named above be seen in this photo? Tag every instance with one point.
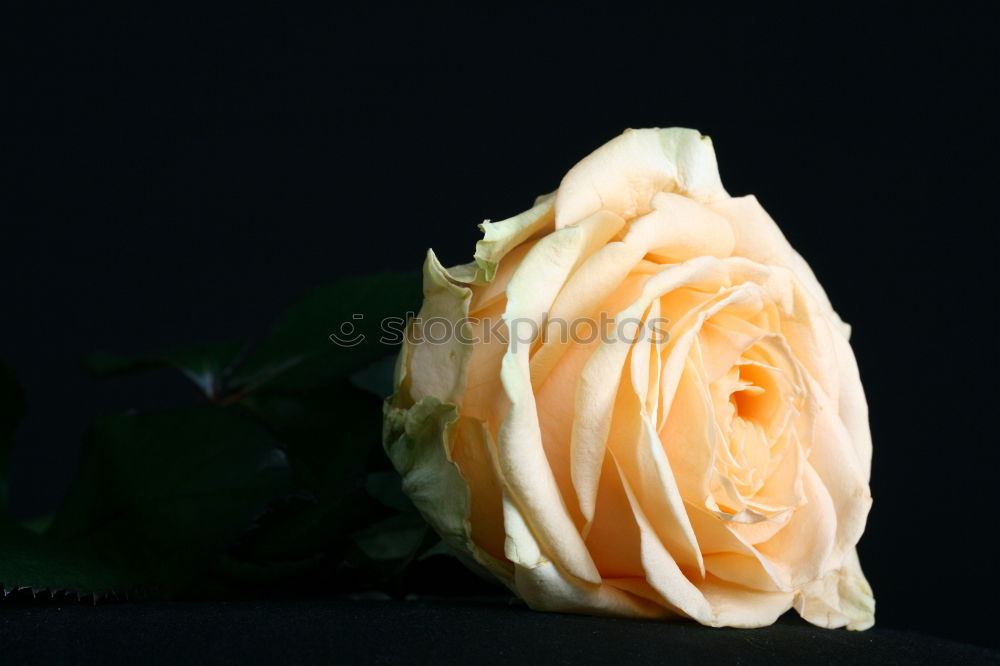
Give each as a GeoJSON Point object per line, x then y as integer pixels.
{"type": "Point", "coordinates": [277, 481]}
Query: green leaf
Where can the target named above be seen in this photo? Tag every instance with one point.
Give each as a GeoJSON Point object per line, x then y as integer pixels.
{"type": "Point", "coordinates": [28, 561]}
{"type": "Point", "coordinates": [207, 366]}
{"type": "Point", "coordinates": [12, 408]}
{"type": "Point", "coordinates": [166, 500]}
{"type": "Point", "coordinates": [159, 494]}
{"type": "Point", "coordinates": [329, 433]}
{"type": "Point", "coordinates": [377, 378]}
{"type": "Point", "coordinates": [438, 549]}
{"type": "Point", "coordinates": [394, 539]}
{"type": "Point", "coordinates": [299, 529]}
{"type": "Point", "coordinates": [333, 331]}
{"type": "Point", "coordinates": [387, 488]}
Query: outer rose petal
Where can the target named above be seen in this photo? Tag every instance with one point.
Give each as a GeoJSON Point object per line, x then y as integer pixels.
{"type": "Point", "coordinates": [841, 598]}
{"type": "Point", "coordinates": [624, 174]}
{"type": "Point", "coordinates": [759, 239]}
{"type": "Point", "coordinates": [547, 588]}
{"type": "Point", "coordinates": [439, 370]}
{"type": "Point", "coordinates": [737, 606]}
{"type": "Point", "coordinates": [520, 454]}
{"type": "Point", "coordinates": [499, 238]}
{"type": "Point", "coordinates": [418, 442]}
{"type": "Point", "coordinates": [833, 456]}
{"type": "Point", "coordinates": [853, 406]}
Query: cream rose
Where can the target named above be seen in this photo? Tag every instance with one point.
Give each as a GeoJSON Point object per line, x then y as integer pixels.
{"type": "Point", "coordinates": [718, 472]}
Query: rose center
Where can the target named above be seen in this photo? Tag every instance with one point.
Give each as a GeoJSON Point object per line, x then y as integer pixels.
{"type": "Point", "coordinates": [757, 403]}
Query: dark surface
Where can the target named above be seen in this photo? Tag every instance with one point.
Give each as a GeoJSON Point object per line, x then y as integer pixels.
{"type": "Point", "coordinates": [176, 177]}
{"type": "Point", "coordinates": [429, 632]}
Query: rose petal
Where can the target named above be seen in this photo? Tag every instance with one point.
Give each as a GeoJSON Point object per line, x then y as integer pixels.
{"type": "Point", "coordinates": [484, 397]}
{"type": "Point", "coordinates": [495, 291]}
{"type": "Point", "coordinates": [545, 586]}
{"type": "Point", "coordinates": [834, 457]}
{"type": "Point", "coordinates": [439, 370]}
{"type": "Point", "coordinates": [852, 406]}
{"type": "Point", "coordinates": [499, 238]}
{"type": "Point", "coordinates": [417, 441]}
{"type": "Point", "coordinates": [801, 550]}
{"type": "Point", "coordinates": [623, 175]}
{"type": "Point", "coordinates": [688, 436]}
{"type": "Point", "coordinates": [520, 452]}
{"type": "Point", "coordinates": [741, 607]}
{"type": "Point", "coordinates": [759, 239]}
{"type": "Point", "coordinates": [646, 471]}
{"type": "Point", "coordinates": [675, 222]}
{"type": "Point", "coordinates": [841, 598]}
{"type": "Point", "coordinates": [687, 229]}
{"type": "Point", "coordinates": [660, 565]}
{"type": "Point", "coordinates": [715, 537]}
{"type": "Point", "coordinates": [598, 385]}
{"type": "Point", "coordinates": [471, 451]}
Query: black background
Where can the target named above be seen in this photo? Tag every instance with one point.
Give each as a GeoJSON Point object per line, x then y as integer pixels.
{"type": "Point", "coordinates": [174, 178]}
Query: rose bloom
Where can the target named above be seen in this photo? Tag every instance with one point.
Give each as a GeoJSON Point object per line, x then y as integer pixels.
{"type": "Point", "coordinates": [717, 472]}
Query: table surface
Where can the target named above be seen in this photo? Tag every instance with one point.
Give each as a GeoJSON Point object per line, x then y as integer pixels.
{"type": "Point", "coordinates": [426, 631]}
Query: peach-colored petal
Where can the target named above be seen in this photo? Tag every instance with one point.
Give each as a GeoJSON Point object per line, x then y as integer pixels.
{"type": "Point", "coordinates": [599, 380]}
{"type": "Point", "coordinates": [499, 238]}
{"type": "Point", "coordinates": [804, 324]}
{"type": "Point", "coordinates": [544, 585]}
{"type": "Point", "coordinates": [723, 341]}
{"type": "Point", "coordinates": [555, 419]}
{"type": "Point", "coordinates": [418, 441]}
{"type": "Point", "coordinates": [716, 537]}
{"type": "Point", "coordinates": [623, 175]}
{"type": "Point", "coordinates": [741, 607]}
{"type": "Point", "coordinates": [842, 598]}
{"type": "Point", "coordinates": [495, 291]}
{"type": "Point", "coordinates": [520, 452]}
{"type": "Point", "coordinates": [548, 588]}
{"type": "Point", "coordinates": [759, 239]}
{"type": "Point", "coordinates": [660, 566]}
{"type": "Point", "coordinates": [613, 537]}
{"type": "Point", "coordinates": [439, 370]}
{"type": "Point", "coordinates": [834, 457]}
{"type": "Point", "coordinates": [646, 470]}
{"type": "Point", "coordinates": [470, 450]}
{"type": "Point", "coordinates": [484, 396]}
{"type": "Point", "coordinates": [680, 346]}
{"type": "Point", "coordinates": [743, 570]}
{"type": "Point", "coordinates": [678, 226]}
{"type": "Point", "coordinates": [852, 406]}
{"type": "Point", "coordinates": [688, 436]}
{"type": "Point", "coordinates": [783, 486]}
{"type": "Point", "coordinates": [687, 229]}
{"type": "Point", "coordinates": [801, 550]}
